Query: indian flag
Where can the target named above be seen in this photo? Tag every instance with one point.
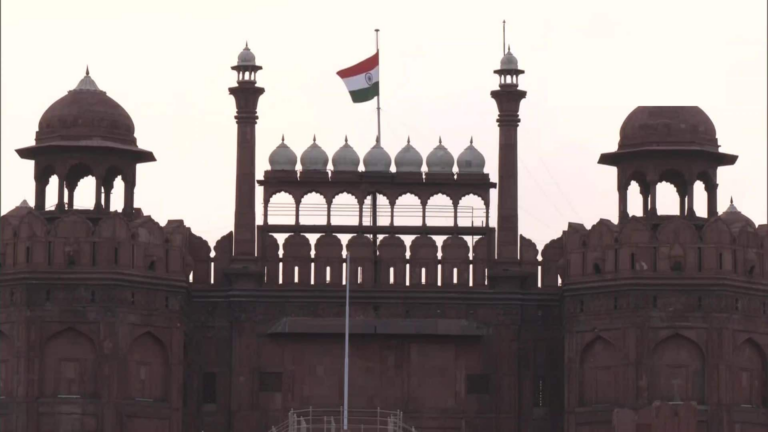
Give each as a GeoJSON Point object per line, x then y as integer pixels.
{"type": "Point", "coordinates": [362, 79]}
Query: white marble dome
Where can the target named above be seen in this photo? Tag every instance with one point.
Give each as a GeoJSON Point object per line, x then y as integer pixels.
{"type": "Point", "coordinates": [377, 159]}
{"type": "Point", "coordinates": [246, 57]}
{"type": "Point", "coordinates": [314, 158]}
{"type": "Point", "coordinates": [509, 61]}
{"type": "Point", "coordinates": [471, 160]}
{"type": "Point", "coordinates": [408, 159]}
{"type": "Point", "coordinates": [346, 158]}
{"type": "Point", "coordinates": [440, 160]}
{"type": "Point", "coordinates": [282, 158]}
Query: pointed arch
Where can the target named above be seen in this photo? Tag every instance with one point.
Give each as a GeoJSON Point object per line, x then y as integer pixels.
{"type": "Point", "coordinates": [69, 364]}
{"type": "Point", "coordinates": [749, 379]}
{"type": "Point", "coordinates": [600, 373]}
{"type": "Point", "coordinates": [677, 370]}
{"type": "Point", "coordinates": [148, 368]}
{"type": "Point", "coordinates": [7, 375]}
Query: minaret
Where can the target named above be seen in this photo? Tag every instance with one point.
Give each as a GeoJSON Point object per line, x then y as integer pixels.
{"type": "Point", "coordinates": [246, 98]}
{"type": "Point", "coordinates": [508, 98]}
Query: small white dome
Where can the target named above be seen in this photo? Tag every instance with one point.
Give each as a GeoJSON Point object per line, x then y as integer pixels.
{"type": "Point", "coordinates": [314, 158]}
{"type": "Point", "coordinates": [509, 61]}
{"type": "Point", "coordinates": [282, 158]}
{"type": "Point", "coordinates": [408, 159]}
{"type": "Point", "coordinates": [440, 160]}
{"type": "Point", "coordinates": [470, 160]}
{"type": "Point", "coordinates": [377, 159]}
{"type": "Point", "coordinates": [346, 158]}
{"type": "Point", "coordinates": [246, 57]}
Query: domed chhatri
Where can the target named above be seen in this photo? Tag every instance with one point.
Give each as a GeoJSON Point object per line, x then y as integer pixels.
{"type": "Point", "coordinates": [408, 159]}
{"type": "Point", "coordinates": [735, 219]}
{"type": "Point", "coordinates": [665, 126]}
{"type": "Point", "coordinates": [346, 158]}
{"type": "Point", "coordinates": [314, 158]}
{"type": "Point", "coordinates": [85, 113]}
{"type": "Point", "coordinates": [246, 57]}
{"type": "Point", "coordinates": [509, 61]}
{"type": "Point", "coordinates": [377, 159]}
{"type": "Point", "coordinates": [282, 158]}
{"type": "Point", "coordinates": [440, 160]}
{"type": "Point", "coordinates": [471, 160]}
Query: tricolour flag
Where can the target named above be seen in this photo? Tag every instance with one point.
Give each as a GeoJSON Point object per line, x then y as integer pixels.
{"type": "Point", "coordinates": [362, 79]}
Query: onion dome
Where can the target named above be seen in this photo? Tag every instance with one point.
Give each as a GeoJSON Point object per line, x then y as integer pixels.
{"type": "Point", "coordinates": [346, 158]}
{"type": "Point", "coordinates": [377, 159]}
{"type": "Point", "coordinates": [440, 160]}
{"type": "Point", "coordinates": [470, 160]}
{"type": "Point", "coordinates": [314, 158]}
{"type": "Point", "coordinates": [86, 112]}
{"type": "Point", "coordinates": [735, 219]}
{"type": "Point", "coordinates": [283, 158]}
{"type": "Point", "coordinates": [408, 159]}
{"type": "Point", "coordinates": [509, 61]}
{"type": "Point", "coordinates": [246, 57]}
{"type": "Point", "coordinates": [668, 126]}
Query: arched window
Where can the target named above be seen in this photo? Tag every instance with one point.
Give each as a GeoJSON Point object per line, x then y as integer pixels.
{"type": "Point", "coordinates": [69, 359]}
{"type": "Point", "coordinates": [677, 371]}
{"type": "Point", "coordinates": [600, 373]}
{"type": "Point", "coordinates": [749, 382]}
{"type": "Point", "coordinates": [148, 369]}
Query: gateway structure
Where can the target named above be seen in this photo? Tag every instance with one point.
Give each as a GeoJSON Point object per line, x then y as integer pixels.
{"type": "Point", "coordinates": [112, 322]}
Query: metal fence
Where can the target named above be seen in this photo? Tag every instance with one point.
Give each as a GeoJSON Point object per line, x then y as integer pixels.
{"type": "Point", "coordinates": [331, 420]}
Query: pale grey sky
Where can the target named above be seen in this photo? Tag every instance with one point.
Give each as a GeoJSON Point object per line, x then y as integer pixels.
{"type": "Point", "coordinates": [588, 64]}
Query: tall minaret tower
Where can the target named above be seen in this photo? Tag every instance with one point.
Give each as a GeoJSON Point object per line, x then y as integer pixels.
{"type": "Point", "coordinates": [246, 98]}
{"type": "Point", "coordinates": [508, 98]}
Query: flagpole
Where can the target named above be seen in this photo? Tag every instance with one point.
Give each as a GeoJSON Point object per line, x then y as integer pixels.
{"type": "Point", "coordinates": [346, 351]}
{"type": "Point", "coordinates": [378, 105]}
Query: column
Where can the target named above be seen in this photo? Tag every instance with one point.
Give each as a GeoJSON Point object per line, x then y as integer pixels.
{"type": "Point", "coordinates": [645, 195]}
{"type": "Point", "coordinates": [623, 211]}
{"type": "Point", "coordinates": [129, 186]}
{"type": "Point", "coordinates": [681, 193]}
{"type": "Point", "coordinates": [652, 210]}
{"type": "Point", "coordinates": [108, 195]}
{"type": "Point", "coordinates": [60, 198]}
{"type": "Point", "coordinates": [71, 196]}
{"type": "Point", "coordinates": [691, 211]}
{"type": "Point", "coordinates": [328, 218]}
{"type": "Point", "coordinates": [40, 186]}
{"type": "Point", "coordinates": [712, 200]}
{"type": "Point", "coordinates": [98, 205]}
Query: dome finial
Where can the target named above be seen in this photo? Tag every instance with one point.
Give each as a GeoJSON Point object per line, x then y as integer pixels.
{"type": "Point", "coordinates": [440, 140]}
{"type": "Point", "coordinates": [314, 141]}
{"type": "Point", "coordinates": [345, 140]}
{"type": "Point", "coordinates": [509, 49]}
{"type": "Point", "coordinates": [471, 140]}
{"type": "Point", "coordinates": [87, 72]}
{"type": "Point", "coordinates": [731, 200]}
{"type": "Point", "coordinates": [282, 139]}
{"type": "Point", "coordinates": [409, 140]}
{"type": "Point", "coordinates": [246, 45]}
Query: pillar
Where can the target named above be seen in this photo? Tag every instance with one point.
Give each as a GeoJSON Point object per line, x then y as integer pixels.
{"type": "Point", "coordinates": [652, 210]}
{"type": "Point", "coordinates": [246, 96]}
{"type": "Point", "coordinates": [129, 186]}
{"type": "Point", "coordinates": [645, 195]}
{"type": "Point", "coordinates": [108, 195]}
{"type": "Point", "coordinates": [712, 200]}
{"type": "Point", "coordinates": [98, 205]}
{"type": "Point", "coordinates": [623, 211]}
{"type": "Point", "coordinates": [508, 98]}
{"type": "Point", "coordinates": [40, 186]}
{"type": "Point", "coordinates": [60, 198]}
{"type": "Point", "coordinates": [691, 211]}
{"type": "Point", "coordinates": [71, 196]}
{"type": "Point", "coordinates": [681, 194]}
{"type": "Point", "coordinates": [328, 218]}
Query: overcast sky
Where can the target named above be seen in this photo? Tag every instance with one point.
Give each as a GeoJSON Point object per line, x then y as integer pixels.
{"type": "Point", "coordinates": [587, 63]}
